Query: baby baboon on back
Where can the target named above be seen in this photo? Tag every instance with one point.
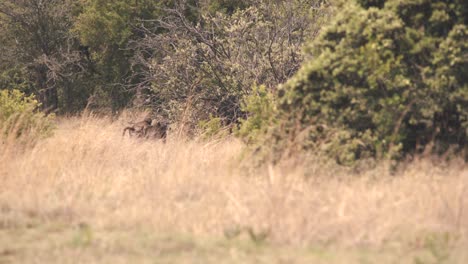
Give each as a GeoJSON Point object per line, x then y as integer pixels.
{"type": "Point", "coordinates": [139, 128]}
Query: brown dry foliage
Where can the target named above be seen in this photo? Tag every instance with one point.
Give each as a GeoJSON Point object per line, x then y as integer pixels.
{"type": "Point", "coordinates": [87, 172]}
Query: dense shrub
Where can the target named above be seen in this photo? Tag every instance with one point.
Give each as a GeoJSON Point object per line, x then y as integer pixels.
{"type": "Point", "coordinates": [382, 82]}
{"type": "Point", "coordinates": [39, 55]}
{"type": "Point", "coordinates": [187, 60]}
{"type": "Point", "coordinates": [212, 128]}
{"type": "Point", "coordinates": [260, 107]}
{"type": "Point", "coordinates": [192, 71]}
{"type": "Point", "coordinates": [20, 118]}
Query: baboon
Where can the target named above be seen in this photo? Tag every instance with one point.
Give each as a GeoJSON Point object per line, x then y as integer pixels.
{"type": "Point", "coordinates": [139, 128]}
{"type": "Point", "coordinates": [157, 131]}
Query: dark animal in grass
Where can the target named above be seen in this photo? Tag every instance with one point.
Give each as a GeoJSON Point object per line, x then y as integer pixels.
{"type": "Point", "coordinates": [157, 131]}
{"type": "Point", "coordinates": [139, 129]}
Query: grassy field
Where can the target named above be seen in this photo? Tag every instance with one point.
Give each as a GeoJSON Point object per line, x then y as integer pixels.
{"type": "Point", "coordinates": [87, 195]}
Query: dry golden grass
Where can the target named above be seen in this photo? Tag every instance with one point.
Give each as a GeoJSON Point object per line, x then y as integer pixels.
{"type": "Point", "coordinates": [88, 176]}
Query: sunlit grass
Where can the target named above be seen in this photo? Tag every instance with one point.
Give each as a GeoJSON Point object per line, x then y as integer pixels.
{"type": "Point", "coordinates": [87, 186]}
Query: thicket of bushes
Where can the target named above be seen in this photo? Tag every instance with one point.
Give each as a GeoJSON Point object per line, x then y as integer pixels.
{"type": "Point", "coordinates": [384, 79]}
{"type": "Point", "coordinates": [186, 59]}
{"type": "Point", "coordinates": [21, 119]}
{"type": "Point", "coordinates": [202, 68]}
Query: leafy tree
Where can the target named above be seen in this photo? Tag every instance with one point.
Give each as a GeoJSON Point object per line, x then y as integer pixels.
{"type": "Point", "coordinates": [199, 69]}
{"type": "Point", "coordinates": [106, 27]}
{"type": "Point", "coordinates": [382, 81]}
{"type": "Point", "coordinates": [38, 55]}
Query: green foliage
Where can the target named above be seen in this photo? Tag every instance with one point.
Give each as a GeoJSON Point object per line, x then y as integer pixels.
{"type": "Point", "coordinates": [371, 3]}
{"type": "Point", "coordinates": [210, 66]}
{"type": "Point", "coordinates": [260, 107]}
{"type": "Point", "coordinates": [19, 116]}
{"type": "Point", "coordinates": [212, 128]}
{"type": "Point", "coordinates": [107, 27]}
{"type": "Point", "coordinates": [225, 6]}
{"type": "Point", "coordinates": [383, 82]}
{"type": "Point", "coordinates": [103, 24]}
{"type": "Point", "coordinates": [15, 76]}
{"type": "Point", "coordinates": [39, 54]}
{"type": "Point", "coordinates": [185, 59]}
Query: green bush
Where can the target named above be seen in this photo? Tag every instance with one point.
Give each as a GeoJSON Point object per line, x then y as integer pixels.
{"type": "Point", "coordinates": [212, 128]}
{"type": "Point", "coordinates": [260, 107]}
{"type": "Point", "coordinates": [210, 66]}
{"type": "Point", "coordinates": [20, 118]}
{"type": "Point", "coordinates": [383, 82]}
